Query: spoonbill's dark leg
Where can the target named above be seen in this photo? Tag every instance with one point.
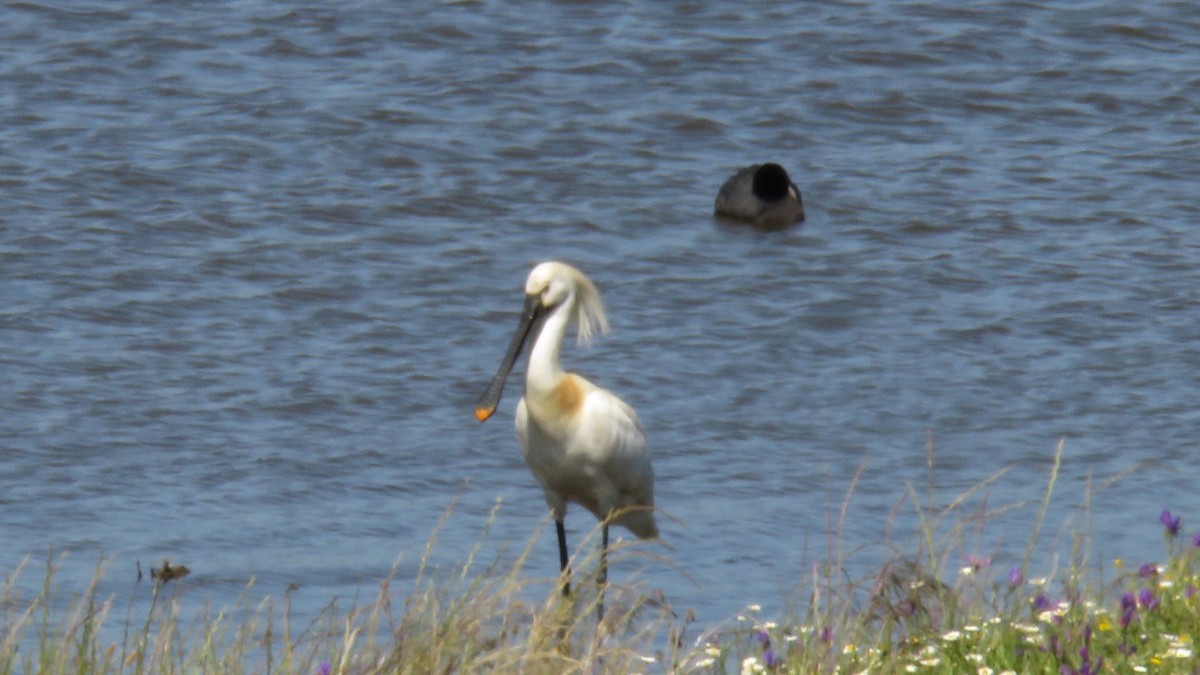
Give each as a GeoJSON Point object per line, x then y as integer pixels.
{"type": "Point", "coordinates": [603, 571]}
{"type": "Point", "coordinates": [562, 556]}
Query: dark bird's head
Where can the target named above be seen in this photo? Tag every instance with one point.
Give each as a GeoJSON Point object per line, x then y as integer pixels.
{"type": "Point", "coordinates": [771, 183]}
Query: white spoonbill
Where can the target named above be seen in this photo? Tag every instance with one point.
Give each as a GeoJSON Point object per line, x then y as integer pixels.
{"type": "Point", "coordinates": [582, 443]}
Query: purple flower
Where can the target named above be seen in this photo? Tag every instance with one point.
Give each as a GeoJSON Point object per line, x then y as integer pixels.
{"type": "Point", "coordinates": [1086, 667]}
{"type": "Point", "coordinates": [1128, 609]}
{"type": "Point", "coordinates": [769, 658]}
{"type": "Point", "coordinates": [1014, 576]}
{"type": "Point", "coordinates": [1148, 570]}
{"type": "Point", "coordinates": [1041, 603]}
{"type": "Point", "coordinates": [827, 634]}
{"type": "Point", "coordinates": [1170, 522]}
{"type": "Point", "coordinates": [1146, 598]}
{"type": "Point", "coordinates": [325, 668]}
{"type": "Point", "coordinates": [1196, 540]}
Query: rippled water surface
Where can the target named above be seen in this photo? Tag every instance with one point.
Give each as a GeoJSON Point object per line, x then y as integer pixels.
{"type": "Point", "coordinates": [259, 259]}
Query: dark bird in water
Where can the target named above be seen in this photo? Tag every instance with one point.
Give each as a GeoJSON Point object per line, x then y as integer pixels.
{"type": "Point", "coordinates": [762, 195]}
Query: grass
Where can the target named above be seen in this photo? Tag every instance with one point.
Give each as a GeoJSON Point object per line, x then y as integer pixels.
{"type": "Point", "coordinates": [927, 609]}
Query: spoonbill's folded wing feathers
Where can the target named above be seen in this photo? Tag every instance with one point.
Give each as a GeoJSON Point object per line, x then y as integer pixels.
{"type": "Point", "coordinates": [623, 456]}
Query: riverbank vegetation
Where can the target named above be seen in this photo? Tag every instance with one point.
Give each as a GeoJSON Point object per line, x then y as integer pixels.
{"type": "Point", "coordinates": [930, 608]}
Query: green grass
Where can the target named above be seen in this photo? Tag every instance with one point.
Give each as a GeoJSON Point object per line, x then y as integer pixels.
{"type": "Point", "coordinates": [928, 608]}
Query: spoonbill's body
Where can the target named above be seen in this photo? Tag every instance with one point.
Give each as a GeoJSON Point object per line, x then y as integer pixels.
{"type": "Point", "coordinates": [582, 443]}
{"type": "Point", "coordinates": [762, 195]}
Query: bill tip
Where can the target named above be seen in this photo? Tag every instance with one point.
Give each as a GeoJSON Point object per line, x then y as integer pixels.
{"type": "Point", "coordinates": [482, 414]}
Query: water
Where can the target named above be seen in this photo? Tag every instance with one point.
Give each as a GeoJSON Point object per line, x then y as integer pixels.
{"type": "Point", "coordinates": [260, 259]}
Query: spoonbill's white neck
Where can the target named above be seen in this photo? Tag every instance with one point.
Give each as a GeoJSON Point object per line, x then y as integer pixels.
{"type": "Point", "coordinates": [545, 370]}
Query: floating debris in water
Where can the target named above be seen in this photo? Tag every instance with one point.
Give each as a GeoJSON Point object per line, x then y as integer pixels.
{"type": "Point", "coordinates": [167, 572]}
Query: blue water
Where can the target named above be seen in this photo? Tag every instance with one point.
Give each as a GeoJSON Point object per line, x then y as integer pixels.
{"type": "Point", "coordinates": [260, 259]}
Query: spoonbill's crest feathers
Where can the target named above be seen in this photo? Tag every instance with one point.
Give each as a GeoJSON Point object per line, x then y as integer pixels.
{"type": "Point", "coordinates": [556, 282]}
